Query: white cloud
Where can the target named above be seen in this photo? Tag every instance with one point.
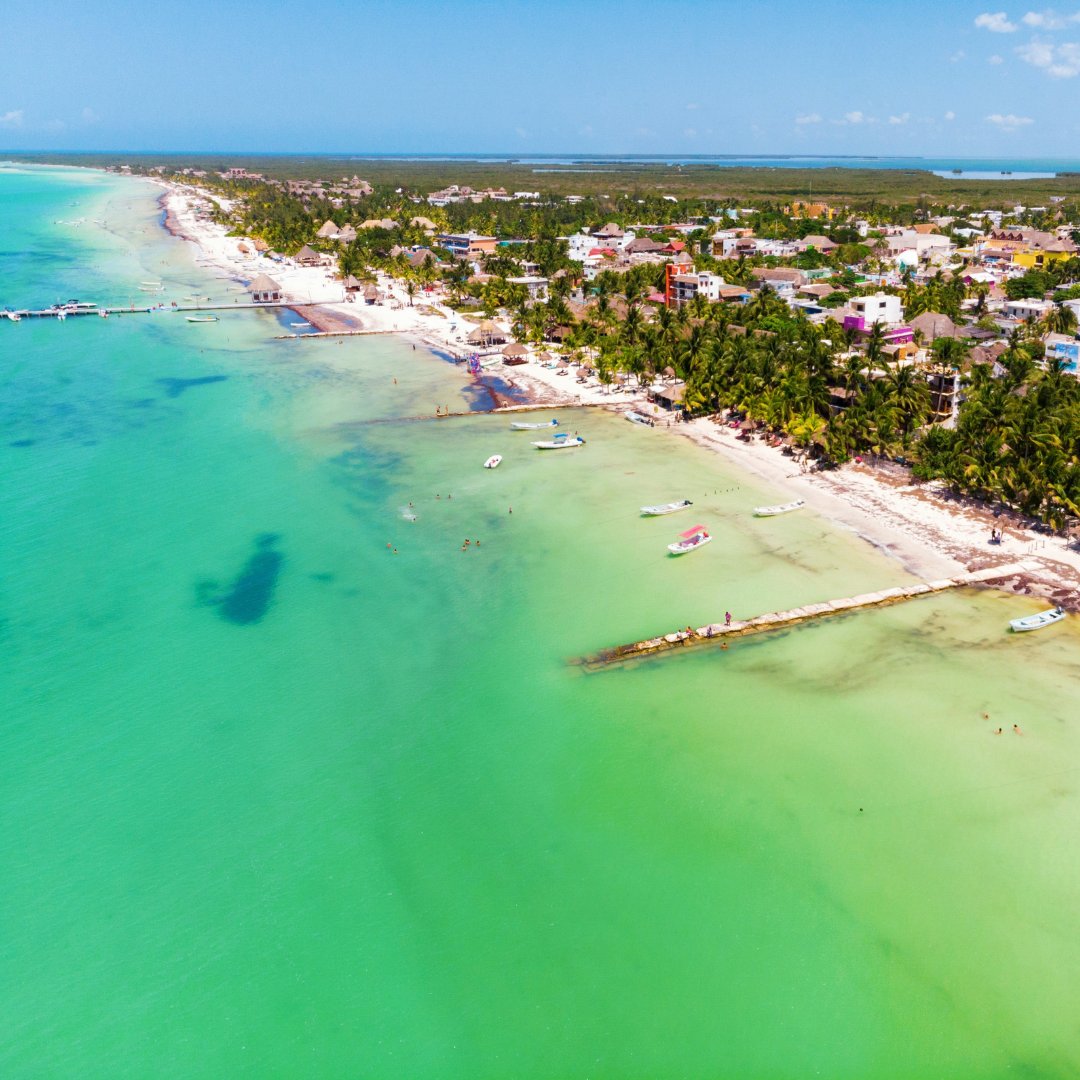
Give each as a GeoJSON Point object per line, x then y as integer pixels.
{"type": "Point", "coordinates": [808, 118]}
{"type": "Point", "coordinates": [13, 118]}
{"type": "Point", "coordinates": [903, 118]}
{"type": "Point", "coordinates": [521, 133]}
{"type": "Point", "coordinates": [995, 59]}
{"type": "Point", "coordinates": [1049, 20]}
{"type": "Point", "coordinates": [1060, 61]}
{"type": "Point", "coordinates": [996, 22]}
{"type": "Point", "coordinates": [692, 105]}
{"type": "Point", "coordinates": [950, 115]}
{"type": "Point", "coordinates": [957, 56]}
{"type": "Point", "coordinates": [690, 133]}
{"type": "Point", "coordinates": [1009, 122]}
{"type": "Point", "coordinates": [89, 116]}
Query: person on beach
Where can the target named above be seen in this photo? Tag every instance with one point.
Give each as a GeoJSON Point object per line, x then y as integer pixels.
{"type": "Point", "coordinates": [727, 618]}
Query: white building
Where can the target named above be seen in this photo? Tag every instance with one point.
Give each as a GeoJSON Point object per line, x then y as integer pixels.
{"type": "Point", "coordinates": [536, 287]}
{"type": "Point", "coordinates": [878, 308]}
{"type": "Point", "coordinates": [1028, 308]}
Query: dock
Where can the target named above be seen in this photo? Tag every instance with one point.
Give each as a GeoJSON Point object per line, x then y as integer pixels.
{"type": "Point", "coordinates": [715, 633]}
{"type": "Point", "coordinates": [138, 309]}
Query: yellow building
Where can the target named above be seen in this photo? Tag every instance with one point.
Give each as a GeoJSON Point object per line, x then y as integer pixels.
{"type": "Point", "coordinates": [1039, 258]}
{"type": "Point", "coordinates": [811, 210]}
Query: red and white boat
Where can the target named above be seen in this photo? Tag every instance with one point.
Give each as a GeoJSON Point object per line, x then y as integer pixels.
{"type": "Point", "coordinates": [690, 540]}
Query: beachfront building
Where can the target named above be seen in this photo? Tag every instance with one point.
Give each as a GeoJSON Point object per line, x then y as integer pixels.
{"type": "Point", "coordinates": [264, 290]}
{"type": "Point", "coordinates": [306, 256]}
{"type": "Point", "coordinates": [536, 287]}
{"type": "Point", "coordinates": [466, 245]}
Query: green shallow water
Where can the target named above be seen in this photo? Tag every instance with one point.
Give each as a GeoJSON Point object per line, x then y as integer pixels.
{"type": "Point", "coordinates": [382, 828]}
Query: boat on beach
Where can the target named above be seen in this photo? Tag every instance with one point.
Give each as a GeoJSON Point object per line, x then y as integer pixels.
{"type": "Point", "coordinates": [665, 508]}
{"type": "Point", "coordinates": [493, 462]}
{"type": "Point", "coordinates": [1037, 622]}
{"type": "Point", "coordinates": [690, 540]}
{"type": "Point", "coordinates": [519, 426]}
{"type": "Point", "coordinates": [783, 508]}
{"type": "Point", "coordinates": [560, 442]}
{"type": "Point", "coordinates": [640, 418]}
{"type": "Point", "coordinates": [201, 318]}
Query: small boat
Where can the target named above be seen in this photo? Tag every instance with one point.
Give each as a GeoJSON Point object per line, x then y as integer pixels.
{"type": "Point", "coordinates": [299, 325]}
{"type": "Point", "coordinates": [493, 462]}
{"type": "Point", "coordinates": [560, 442]}
{"type": "Point", "coordinates": [1037, 622]}
{"type": "Point", "coordinates": [665, 508]}
{"type": "Point", "coordinates": [690, 540]}
{"type": "Point", "coordinates": [783, 508]}
{"type": "Point", "coordinates": [492, 363]}
{"type": "Point", "coordinates": [201, 318]}
{"type": "Point", "coordinates": [151, 288]}
{"type": "Point", "coordinates": [14, 316]}
{"type": "Point", "coordinates": [518, 426]}
{"type": "Point", "coordinates": [640, 418]}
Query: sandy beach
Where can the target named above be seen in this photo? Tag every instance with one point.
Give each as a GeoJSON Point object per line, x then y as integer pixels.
{"type": "Point", "coordinates": [930, 532]}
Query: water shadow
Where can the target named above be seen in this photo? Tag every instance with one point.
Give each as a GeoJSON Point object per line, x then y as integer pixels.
{"type": "Point", "coordinates": [247, 599]}
{"type": "Point", "coordinates": [175, 387]}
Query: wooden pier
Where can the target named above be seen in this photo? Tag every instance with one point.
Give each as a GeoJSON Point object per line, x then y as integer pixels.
{"type": "Point", "coordinates": [785, 620]}
{"type": "Point", "coordinates": [139, 309]}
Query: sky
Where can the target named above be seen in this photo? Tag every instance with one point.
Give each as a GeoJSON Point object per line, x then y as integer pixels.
{"type": "Point", "coordinates": [922, 77]}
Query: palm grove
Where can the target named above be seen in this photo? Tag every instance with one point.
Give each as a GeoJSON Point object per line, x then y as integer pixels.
{"type": "Point", "coordinates": [1017, 435]}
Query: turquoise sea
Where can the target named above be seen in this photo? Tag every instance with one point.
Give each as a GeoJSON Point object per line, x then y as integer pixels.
{"type": "Point", "coordinates": [279, 800]}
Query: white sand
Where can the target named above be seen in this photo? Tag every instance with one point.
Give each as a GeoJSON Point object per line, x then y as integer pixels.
{"type": "Point", "coordinates": [932, 534]}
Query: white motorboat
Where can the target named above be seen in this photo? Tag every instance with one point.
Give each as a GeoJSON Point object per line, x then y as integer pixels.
{"type": "Point", "coordinates": [783, 508]}
{"type": "Point", "coordinates": [665, 508]}
{"type": "Point", "coordinates": [640, 418]}
{"type": "Point", "coordinates": [299, 325]}
{"type": "Point", "coordinates": [1037, 622]}
{"type": "Point", "coordinates": [690, 540]}
{"type": "Point", "coordinates": [493, 462]}
{"type": "Point", "coordinates": [560, 442]}
{"type": "Point", "coordinates": [201, 318]}
{"type": "Point", "coordinates": [519, 426]}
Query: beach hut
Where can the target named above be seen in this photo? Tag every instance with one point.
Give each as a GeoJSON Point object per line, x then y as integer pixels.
{"type": "Point", "coordinates": [487, 333]}
{"type": "Point", "coordinates": [307, 257]}
{"type": "Point", "coordinates": [328, 230]}
{"type": "Point", "coordinates": [264, 290]}
{"type": "Point", "coordinates": [669, 397]}
{"type": "Point", "coordinates": [353, 284]}
{"type": "Point", "coordinates": [371, 295]}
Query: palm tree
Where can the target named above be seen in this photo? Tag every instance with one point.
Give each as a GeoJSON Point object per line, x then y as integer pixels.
{"type": "Point", "coordinates": [1060, 320]}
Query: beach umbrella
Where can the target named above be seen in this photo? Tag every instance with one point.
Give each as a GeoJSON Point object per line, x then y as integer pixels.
{"type": "Point", "coordinates": [563, 363]}
{"type": "Point", "coordinates": [669, 373]}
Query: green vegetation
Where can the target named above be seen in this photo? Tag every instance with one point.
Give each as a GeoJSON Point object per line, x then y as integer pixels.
{"type": "Point", "coordinates": [862, 188]}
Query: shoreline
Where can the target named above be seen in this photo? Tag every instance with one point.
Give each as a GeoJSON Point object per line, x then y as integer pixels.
{"type": "Point", "coordinates": [931, 533]}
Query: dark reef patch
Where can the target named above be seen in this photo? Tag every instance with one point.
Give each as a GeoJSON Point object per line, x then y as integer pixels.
{"type": "Point", "coordinates": [247, 599]}
{"type": "Point", "coordinates": [175, 387]}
